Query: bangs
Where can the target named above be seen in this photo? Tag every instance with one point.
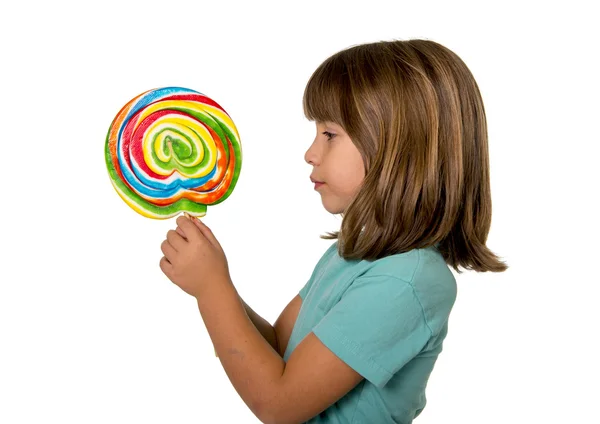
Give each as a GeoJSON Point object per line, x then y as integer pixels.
{"type": "Point", "coordinates": [324, 91]}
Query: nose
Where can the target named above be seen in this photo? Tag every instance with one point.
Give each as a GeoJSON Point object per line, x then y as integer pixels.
{"type": "Point", "coordinates": [312, 157]}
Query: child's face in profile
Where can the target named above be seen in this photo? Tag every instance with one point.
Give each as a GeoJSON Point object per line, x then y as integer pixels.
{"type": "Point", "coordinates": [337, 163]}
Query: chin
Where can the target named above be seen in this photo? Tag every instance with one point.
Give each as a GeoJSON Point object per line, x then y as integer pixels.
{"type": "Point", "coordinates": [333, 209]}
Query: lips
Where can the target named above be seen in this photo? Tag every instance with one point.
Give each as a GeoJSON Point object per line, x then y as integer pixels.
{"type": "Point", "coordinates": [317, 183]}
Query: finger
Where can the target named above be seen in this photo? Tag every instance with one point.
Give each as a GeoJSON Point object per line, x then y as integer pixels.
{"type": "Point", "coordinates": [180, 232]}
{"type": "Point", "coordinates": [166, 266]}
{"type": "Point", "coordinates": [168, 250]}
{"type": "Point", "coordinates": [190, 231]}
{"type": "Point", "coordinates": [206, 232]}
{"type": "Point", "coordinates": [176, 240]}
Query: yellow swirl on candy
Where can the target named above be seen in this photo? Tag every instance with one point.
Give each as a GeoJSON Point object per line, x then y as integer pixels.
{"type": "Point", "coordinates": [171, 150]}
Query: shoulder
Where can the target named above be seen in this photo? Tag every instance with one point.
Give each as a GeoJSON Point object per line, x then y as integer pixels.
{"type": "Point", "coordinates": [326, 256]}
{"type": "Point", "coordinates": [418, 267]}
{"type": "Point", "coordinates": [428, 276]}
{"type": "Point", "coordinates": [402, 266]}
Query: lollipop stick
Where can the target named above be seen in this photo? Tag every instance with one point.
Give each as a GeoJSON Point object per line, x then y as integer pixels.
{"type": "Point", "coordinates": [187, 215]}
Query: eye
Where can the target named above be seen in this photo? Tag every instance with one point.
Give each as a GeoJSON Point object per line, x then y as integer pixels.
{"type": "Point", "coordinates": [328, 134]}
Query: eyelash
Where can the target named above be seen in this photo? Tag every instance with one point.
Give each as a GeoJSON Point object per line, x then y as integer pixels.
{"type": "Point", "coordinates": [328, 134]}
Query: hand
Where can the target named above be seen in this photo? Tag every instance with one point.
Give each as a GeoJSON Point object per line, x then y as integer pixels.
{"type": "Point", "coordinates": [193, 259]}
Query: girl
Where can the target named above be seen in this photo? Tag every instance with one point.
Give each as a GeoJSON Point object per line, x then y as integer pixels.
{"type": "Point", "coordinates": [401, 153]}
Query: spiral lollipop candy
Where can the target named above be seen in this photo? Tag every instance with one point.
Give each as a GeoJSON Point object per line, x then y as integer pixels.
{"type": "Point", "coordinates": [172, 150]}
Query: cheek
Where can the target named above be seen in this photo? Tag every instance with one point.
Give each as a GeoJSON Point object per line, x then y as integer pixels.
{"type": "Point", "coordinates": [353, 177]}
{"type": "Point", "coordinates": [342, 191]}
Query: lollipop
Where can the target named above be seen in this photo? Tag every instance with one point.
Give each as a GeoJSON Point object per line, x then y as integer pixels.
{"type": "Point", "coordinates": [172, 150]}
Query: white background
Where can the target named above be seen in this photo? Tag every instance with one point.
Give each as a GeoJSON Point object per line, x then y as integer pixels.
{"type": "Point", "coordinates": [91, 331]}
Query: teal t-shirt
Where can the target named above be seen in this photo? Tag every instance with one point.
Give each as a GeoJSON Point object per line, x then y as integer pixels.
{"type": "Point", "coordinates": [387, 320]}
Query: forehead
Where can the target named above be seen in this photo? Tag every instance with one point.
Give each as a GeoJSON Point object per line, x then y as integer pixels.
{"type": "Point", "coordinates": [328, 124]}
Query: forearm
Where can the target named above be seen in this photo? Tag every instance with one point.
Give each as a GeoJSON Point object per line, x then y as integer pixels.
{"type": "Point", "coordinates": [263, 326]}
{"type": "Point", "coordinates": [252, 365]}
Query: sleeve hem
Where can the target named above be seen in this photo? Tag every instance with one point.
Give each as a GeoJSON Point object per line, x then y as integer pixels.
{"type": "Point", "coordinates": [302, 294]}
{"type": "Point", "coordinates": [350, 352]}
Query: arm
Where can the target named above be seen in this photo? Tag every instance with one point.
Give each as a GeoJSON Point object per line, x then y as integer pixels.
{"type": "Point", "coordinates": [275, 392]}
{"type": "Point", "coordinates": [278, 334]}
{"type": "Point", "coordinates": [250, 362]}
{"type": "Point", "coordinates": [313, 379]}
{"type": "Point", "coordinates": [285, 323]}
{"type": "Point", "coordinates": [263, 326]}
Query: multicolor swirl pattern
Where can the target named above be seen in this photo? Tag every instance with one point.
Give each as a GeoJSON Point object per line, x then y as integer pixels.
{"type": "Point", "coordinates": [173, 150]}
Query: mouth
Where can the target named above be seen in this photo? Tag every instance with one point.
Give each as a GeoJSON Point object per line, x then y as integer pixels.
{"type": "Point", "coordinates": [317, 183]}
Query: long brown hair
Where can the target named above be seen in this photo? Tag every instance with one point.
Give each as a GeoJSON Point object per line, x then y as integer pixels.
{"type": "Point", "coordinates": [415, 113]}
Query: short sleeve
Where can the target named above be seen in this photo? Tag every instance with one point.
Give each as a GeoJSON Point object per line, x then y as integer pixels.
{"type": "Point", "coordinates": [317, 270]}
{"type": "Point", "coordinates": [304, 290]}
{"type": "Point", "coordinates": [376, 328]}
